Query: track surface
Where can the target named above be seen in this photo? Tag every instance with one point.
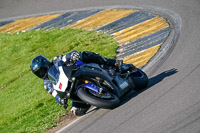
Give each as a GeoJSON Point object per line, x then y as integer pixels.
{"type": "Point", "coordinates": [171, 103]}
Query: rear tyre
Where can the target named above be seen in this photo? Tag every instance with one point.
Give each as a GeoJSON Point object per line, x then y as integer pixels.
{"type": "Point", "coordinates": [140, 80]}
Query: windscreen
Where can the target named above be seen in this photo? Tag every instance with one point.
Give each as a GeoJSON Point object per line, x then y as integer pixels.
{"type": "Point", "coordinates": [53, 74]}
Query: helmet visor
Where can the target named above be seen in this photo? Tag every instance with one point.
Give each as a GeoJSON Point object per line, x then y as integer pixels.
{"type": "Point", "coordinates": [42, 73]}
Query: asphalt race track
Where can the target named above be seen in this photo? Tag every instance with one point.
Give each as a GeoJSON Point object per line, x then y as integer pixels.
{"type": "Point", "coordinates": [171, 102]}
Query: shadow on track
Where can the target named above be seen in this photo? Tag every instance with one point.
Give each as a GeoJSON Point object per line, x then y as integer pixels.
{"type": "Point", "coordinates": [152, 81]}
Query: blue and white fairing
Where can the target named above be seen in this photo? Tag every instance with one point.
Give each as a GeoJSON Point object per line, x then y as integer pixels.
{"type": "Point", "coordinates": [58, 78]}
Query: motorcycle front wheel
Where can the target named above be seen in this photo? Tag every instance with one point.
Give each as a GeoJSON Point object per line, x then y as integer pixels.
{"type": "Point", "coordinates": [105, 100]}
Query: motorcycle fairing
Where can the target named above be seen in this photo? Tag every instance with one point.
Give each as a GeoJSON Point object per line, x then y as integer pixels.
{"type": "Point", "coordinates": [92, 70]}
{"type": "Point", "coordinates": [79, 63]}
{"type": "Point", "coordinates": [58, 78]}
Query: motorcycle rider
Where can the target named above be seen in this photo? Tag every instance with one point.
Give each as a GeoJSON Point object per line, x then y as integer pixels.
{"type": "Point", "coordinates": [40, 65]}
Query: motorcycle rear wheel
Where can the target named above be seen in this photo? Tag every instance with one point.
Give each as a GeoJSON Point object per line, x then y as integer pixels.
{"type": "Point", "coordinates": [140, 80]}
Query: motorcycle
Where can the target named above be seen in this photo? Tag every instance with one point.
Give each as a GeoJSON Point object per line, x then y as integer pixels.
{"type": "Point", "coordinates": [101, 86]}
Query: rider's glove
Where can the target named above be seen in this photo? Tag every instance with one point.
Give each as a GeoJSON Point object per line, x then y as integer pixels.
{"type": "Point", "coordinates": [75, 56]}
{"type": "Point", "coordinates": [64, 102]}
{"type": "Point", "coordinates": [61, 101]}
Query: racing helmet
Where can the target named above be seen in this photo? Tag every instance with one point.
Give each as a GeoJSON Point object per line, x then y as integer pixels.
{"type": "Point", "coordinates": [40, 65]}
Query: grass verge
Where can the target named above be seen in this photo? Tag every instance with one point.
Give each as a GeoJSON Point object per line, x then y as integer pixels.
{"type": "Point", "coordinates": [24, 105]}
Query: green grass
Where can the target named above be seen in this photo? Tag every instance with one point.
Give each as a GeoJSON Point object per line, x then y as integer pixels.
{"type": "Point", "coordinates": [25, 106]}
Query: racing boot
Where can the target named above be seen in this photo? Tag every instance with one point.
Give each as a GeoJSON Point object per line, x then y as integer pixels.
{"type": "Point", "coordinates": [118, 65]}
{"type": "Point", "coordinates": [79, 109]}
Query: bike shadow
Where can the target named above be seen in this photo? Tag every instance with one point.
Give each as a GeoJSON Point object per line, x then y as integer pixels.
{"type": "Point", "coordinates": [152, 81]}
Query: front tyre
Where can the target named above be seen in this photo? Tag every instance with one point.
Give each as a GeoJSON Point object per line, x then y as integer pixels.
{"type": "Point", "coordinates": [107, 100]}
{"type": "Point", "coordinates": [140, 80]}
